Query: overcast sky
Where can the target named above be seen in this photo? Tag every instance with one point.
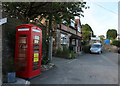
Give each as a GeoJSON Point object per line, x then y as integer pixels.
{"type": "Point", "coordinates": [102, 15]}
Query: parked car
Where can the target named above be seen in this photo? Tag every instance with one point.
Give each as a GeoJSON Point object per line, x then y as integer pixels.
{"type": "Point", "coordinates": [96, 48]}
{"type": "Point", "coordinates": [119, 50]}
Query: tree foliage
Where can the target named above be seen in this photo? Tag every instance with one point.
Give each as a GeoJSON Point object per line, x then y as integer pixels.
{"type": "Point", "coordinates": [111, 34]}
{"type": "Point", "coordinates": [30, 10]}
{"type": "Point", "coordinates": [102, 37]}
{"type": "Point", "coordinates": [87, 32]}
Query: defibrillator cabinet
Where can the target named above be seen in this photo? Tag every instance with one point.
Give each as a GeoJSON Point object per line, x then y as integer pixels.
{"type": "Point", "coordinates": [28, 50]}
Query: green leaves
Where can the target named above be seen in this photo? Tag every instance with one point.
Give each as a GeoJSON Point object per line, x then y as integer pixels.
{"type": "Point", "coordinates": [30, 10]}
{"type": "Point", "coordinates": [86, 32]}
{"type": "Point", "coordinates": [102, 37]}
{"type": "Point", "coordinates": [111, 34]}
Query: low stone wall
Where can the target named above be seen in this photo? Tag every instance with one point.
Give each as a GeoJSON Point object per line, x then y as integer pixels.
{"type": "Point", "coordinates": [110, 48]}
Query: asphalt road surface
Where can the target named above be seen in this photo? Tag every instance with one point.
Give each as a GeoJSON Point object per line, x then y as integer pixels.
{"type": "Point", "coordinates": [85, 69]}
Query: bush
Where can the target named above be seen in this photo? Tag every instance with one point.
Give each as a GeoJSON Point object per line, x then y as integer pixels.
{"type": "Point", "coordinates": [62, 53]}
{"type": "Point", "coordinates": [72, 54]}
{"type": "Point", "coordinates": [86, 48]}
{"type": "Point", "coordinates": [59, 51]}
{"type": "Point", "coordinates": [116, 43]}
{"type": "Point", "coordinates": [84, 42]}
{"type": "Point", "coordinates": [65, 53]}
{"type": "Point", "coordinates": [65, 50]}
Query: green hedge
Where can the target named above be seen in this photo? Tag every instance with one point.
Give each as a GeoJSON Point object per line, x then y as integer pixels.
{"type": "Point", "coordinates": [72, 54]}
{"type": "Point", "coordinates": [65, 53]}
{"type": "Point", "coordinates": [116, 43]}
{"type": "Point", "coordinates": [86, 48]}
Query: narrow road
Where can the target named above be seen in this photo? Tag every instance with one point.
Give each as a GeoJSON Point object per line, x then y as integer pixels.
{"type": "Point", "coordinates": [85, 69]}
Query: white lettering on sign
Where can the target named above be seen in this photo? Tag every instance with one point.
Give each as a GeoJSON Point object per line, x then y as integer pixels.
{"type": "Point", "coordinates": [95, 38]}
{"type": "Point", "coordinates": [25, 29]}
{"type": "Point", "coordinates": [2, 21]}
{"type": "Point", "coordinates": [35, 30]}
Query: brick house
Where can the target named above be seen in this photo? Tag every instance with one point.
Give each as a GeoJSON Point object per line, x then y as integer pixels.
{"type": "Point", "coordinates": [69, 36]}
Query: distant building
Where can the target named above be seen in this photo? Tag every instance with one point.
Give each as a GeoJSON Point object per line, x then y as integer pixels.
{"type": "Point", "coordinates": [95, 40]}
{"type": "Point", "coordinates": [66, 35]}
{"type": "Point", "coordinates": [69, 36]}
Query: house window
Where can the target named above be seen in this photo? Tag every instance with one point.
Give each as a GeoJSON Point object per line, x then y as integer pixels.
{"type": "Point", "coordinates": [79, 29]}
{"type": "Point", "coordinates": [72, 23]}
{"type": "Point", "coordinates": [63, 39]}
{"type": "Point", "coordinates": [73, 41]}
{"type": "Point", "coordinates": [76, 42]}
{"type": "Point", "coordinates": [64, 21]}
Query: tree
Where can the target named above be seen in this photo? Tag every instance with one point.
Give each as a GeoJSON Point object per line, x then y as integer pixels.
{"type": "Point", "coordinates": [30, 10]}
{"type": "Point", "coordinates": [111, 34]}
{"type": "Point", "coordinates": [102, 37]}
{"type": "Point", "coordinates": [53, 11]}
{"type": "Point", "coordinates": [24, 10]}
{"type": "Point", "coordinates": [87, 32]}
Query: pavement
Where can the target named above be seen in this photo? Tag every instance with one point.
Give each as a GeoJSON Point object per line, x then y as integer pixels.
{"type": "Point", "coordinates": [19, 82]}
{"type": "Point", "coordinates": [85, 69]}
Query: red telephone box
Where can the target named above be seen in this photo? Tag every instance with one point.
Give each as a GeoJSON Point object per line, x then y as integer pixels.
{"type": "Point", "coordinates": [28, 50]}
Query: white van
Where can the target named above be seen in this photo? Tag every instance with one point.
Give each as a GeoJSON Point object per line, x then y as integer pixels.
{"type": "Point", "coordinates": [96, 48]}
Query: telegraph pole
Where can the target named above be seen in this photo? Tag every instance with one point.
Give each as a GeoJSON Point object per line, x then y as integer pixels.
{"type": "Point", "coordinates": [50, 35]}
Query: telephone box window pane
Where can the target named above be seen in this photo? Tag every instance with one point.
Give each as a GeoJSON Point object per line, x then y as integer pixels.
{"type": "Point", "coordinates": [36, 37]}
{"type": "Point", "coordinates": [22, 50]}
{"type": "Point", "coordinates": [35, 63]}
{"type": "Point", "coordinates": [35, 68]}
{"type": "Point", "coordinates": [22, 40]}
{"type": "Point", "coordinates": [36, 50]}
{"type": "Point", "coordinates": [22, 55]}
{"type": "Point", "coordinates": [22, 46]}
{"type": "Point", "coordinates": [23, 64]}
{"type": "Point", "coordinates": [36, 54]}
{"type": "Point", "coordinates": [36, 59]}
{"type": "Point", "coordinates": [36, 46]}
{"type": "Point", "coordinates": [23, 36]}
{"type": "Point", "coordinates": [21, 59]}
{"type": "Point", "coordinates": [36, 41]}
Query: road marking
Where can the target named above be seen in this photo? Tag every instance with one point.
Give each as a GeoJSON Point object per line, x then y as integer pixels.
{"type": "Point", "coordinates": [71, 61]}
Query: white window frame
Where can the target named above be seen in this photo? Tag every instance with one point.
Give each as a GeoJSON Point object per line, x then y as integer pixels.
{"type": "Point", "coordinates": [72, 23]}
{"type": "Point", "coordinates": [63, 39]}
{"type": "Point", "coordinates": [79, 28]}
{"type": "Point", "coordinates": [73, 41]}
{"type": "Point", "coordinates": [64, 21]}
